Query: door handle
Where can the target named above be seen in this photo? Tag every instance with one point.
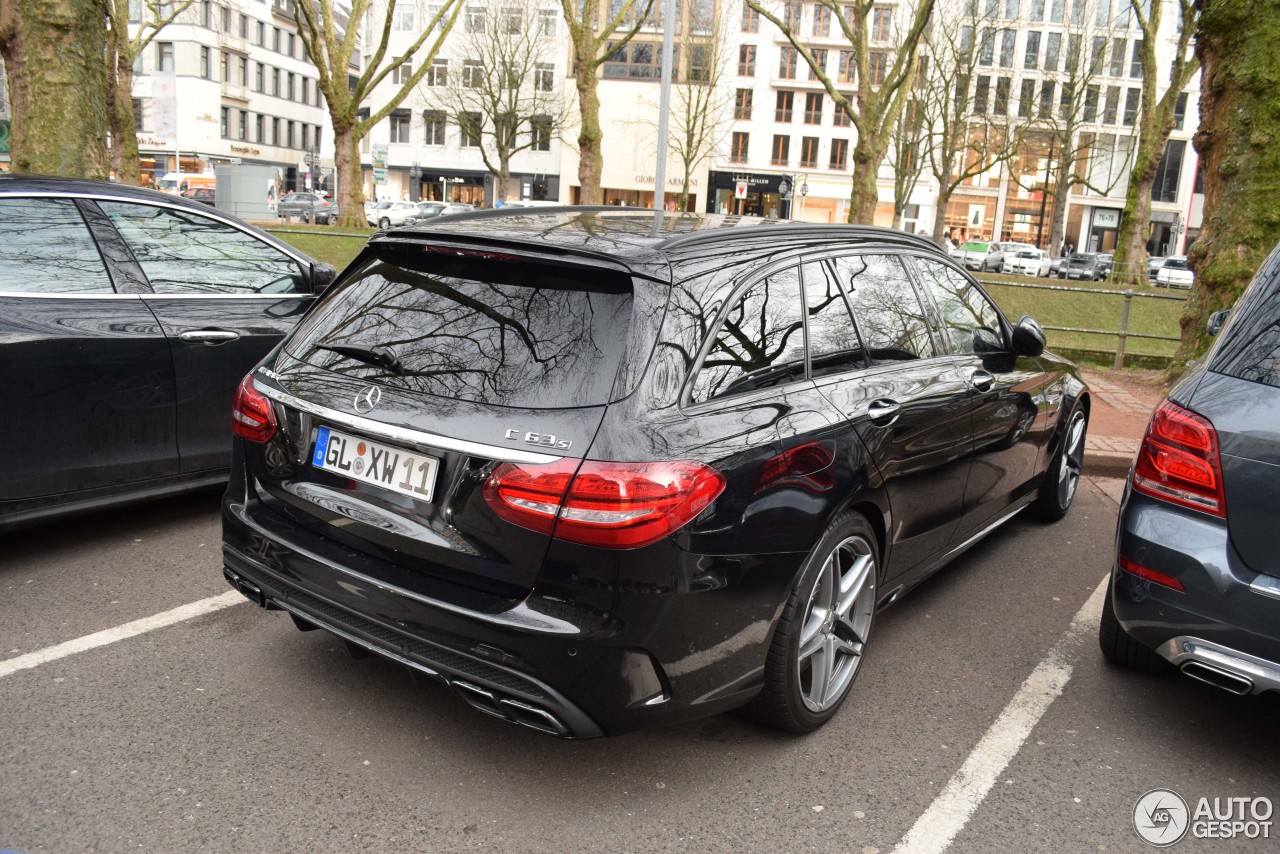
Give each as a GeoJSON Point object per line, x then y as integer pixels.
{"type": "Point", "coordinates": [982, 381]}
{"type": "Point", "coordinates": [884, 412]}
{"type": "Point", "coordinates": [209, 336]}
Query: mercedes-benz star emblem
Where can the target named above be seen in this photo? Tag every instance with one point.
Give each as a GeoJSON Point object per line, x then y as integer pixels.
{"type": "Point", "coordinates": [367, 399]}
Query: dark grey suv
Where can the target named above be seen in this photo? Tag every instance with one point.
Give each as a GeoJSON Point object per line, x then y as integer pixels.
{"type": "Point", "coordinates": [1197, 576]}
{"type": "Point", "coordinates": [595, 469]}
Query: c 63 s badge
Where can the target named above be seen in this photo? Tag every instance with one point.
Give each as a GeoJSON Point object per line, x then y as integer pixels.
{"type": "Point", "coordinates": [545, 440]}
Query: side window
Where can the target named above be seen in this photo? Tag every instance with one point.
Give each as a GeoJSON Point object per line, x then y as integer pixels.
{"type": "Point", "coordinates": [759, 344]}
{"type": "Point", "coordinates": [46, 248]}
{"type": "Point", "coordinates": [833, 342]}
{"type": "Point", "coordinates": [886, 308]}
{"type": "Point", "coordinates": [971, 321]}
{"type": "Point", "coordinates": [186, 253]}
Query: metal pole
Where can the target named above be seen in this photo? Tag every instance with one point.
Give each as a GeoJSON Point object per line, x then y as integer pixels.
{"type": "Point", "coordinates": [1124, 329]}
{"type": "Point", "coordinates": [664, 104]}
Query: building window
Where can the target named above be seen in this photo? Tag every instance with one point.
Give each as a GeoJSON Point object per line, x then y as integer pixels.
{"type": "Point", "coordinates": [306, 90]}
{"type": "Point", "coordinates": [881, 24]}
{"type": "Point", "coordinates": [635, 61]}
{"type": "Point", "coordinates": [260, 129]}
{"type": "Point", "coordinates": [809, 152]}
{"type": "Point", "coordinates": [781, 154]}
{"type": "Point", "coordinates": [842, 118]}
{"type": "Point", "coordinates": [470, 124]}
{"type": "Point", "coordinates": [475, 20]}
{"type": "Point", "coordinates": [289, 138]}
{"type": "Point", "coordinates": [847, 67]}
{"type": "Point", "coordinates": [1007, 39]}
{"type": "Point", "coordinates": [791, 16]}
{"type": "Point", "coordinates": [242, 126]}
{"type": "Point", "coordinates": [306, 137]}
{"type": "Point", "coordinates": [472, 73]}
{"type": "Point", "coordinates": [699, 68]}
{"type": "Point", "coordinates": [402, 21]}
{"type": "Point", "coordinates": [546, 22]}
{"type": "Point", "coordinates": [1036, 13]}
{"type": "Point", "coordinates": [275, 82]}
{"type": "Point", "coordinates": [242, 71]}
{"type": "Point", "coordinates": [438, 73]}
{"type": "Point", "coordinates": [1052, 48]}
{"type": "Point", "coordinates": [291, 91]}
{"type": "Point", "coordinates": [434, 123]}
{"type": "Point", "coordinates": [540, 133]}
{"type": "Point", "coordinates": [750, 19]}
{"type": "Point", "coordinates": [1111, 106]}
{"type": "Point", "coordinates": [1027, 103]}
{"type": "Point", "coordinates": [1135, 61]}
{"type": "Point", "coordinates": [224, 67]}
{"type": "Point", "coordinates": [275, 39]}
{"type": "Point", "coordinates": [747, 60]}
{"type": "Point", "coordinates": [1116, 68]}
{"type": "Point", "coordinates": [1091, 104]}
{"type": "Point", "coordinates": [813, 108]}
{"type": "Point", "coordinates": [987, 46]}
{"type": "Point", "coordinates": [1032, 57]}
{"type": "Point", "coordinates": [400, 127]}
{"type": "Point", "coordinates": [819, 60]}
{"type": "Point", "coordinates": [738, 149]}
{"type": "Point", "coordinates": [402, 73]}
{"type": "Point", "coordinates": [787, 63]}
{"type": "Point", "coordinates": [742, 104]}
{"type": "Point", "coordinates": [164, 56]}
{"type": "Point", "coordinates": [980, 94]}
{"type": "Point", "coordinates": [204, 63]}
{"type": "Point", "coordinates": [226, 119]}
{"type": "Point", "coordinates": [1131, 102]}
{"type": "Point", "coordinates": [877, 67]}
{"type": "Point", "coordinates": [259, 72]}
{"type": "Point", "coordinates": [1003, 87]}
{"type": "Point", "coordinates": [1165, 186]}
{"type": "Point", "coordinates": [544, 76]}
{"type": "Point", "coordinates": [275, 132]}
{"type": "Point", "coordinates": [293, 47]}
{"type": "Point", "coordinates": [782, 110]}
{"type": "Point", "coordinates": [821, 21]}
{"type": "Point", "coordinates": [1180, 111]}
{"type": "Point", "coordinates": [839, 154]}
{"type": "Point", "coordinates": [139, 113]}
{"type": "Point", "coordinates": [511, 20]}
{"type": "Point", "coordinates": [1046, 99]}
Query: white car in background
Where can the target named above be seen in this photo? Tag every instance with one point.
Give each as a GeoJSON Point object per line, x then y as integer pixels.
{"type": "Point", "coordinates": [982, 255]}
{"type": "Point", "coordinates": [391, 214]}
{"type": "Point", "coordinates": [1029, 262]}
{"type": "Point", "coordinates": [1174, 273]}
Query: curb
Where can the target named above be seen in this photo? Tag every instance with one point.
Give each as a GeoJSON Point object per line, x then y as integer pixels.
{"type": "Point", "coordinates": [1106, 463]}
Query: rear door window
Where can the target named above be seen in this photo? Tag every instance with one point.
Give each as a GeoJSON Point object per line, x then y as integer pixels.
{"type": "Point", "coordinates": [477, 329]}
{"type": "Point", "coordinates": [760, 342]}
{"type": "Point", "coordinates": [833, 342]}
{"type": "Point", "coordinates": [886, 308]}
{"type": "Point", "coordinates": [46, 248]}
{"type": "Point", "coordinates": [1249, 348]}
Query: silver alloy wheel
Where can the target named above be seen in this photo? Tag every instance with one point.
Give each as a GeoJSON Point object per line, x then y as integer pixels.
{"type": "Point", "coordinates": [1072, 460]}
{"type": "Point", "coordinates": [836, 622]}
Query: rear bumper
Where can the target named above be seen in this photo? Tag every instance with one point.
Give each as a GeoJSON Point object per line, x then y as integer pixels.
{"type": "Point", "coordinates": [1228, 618]}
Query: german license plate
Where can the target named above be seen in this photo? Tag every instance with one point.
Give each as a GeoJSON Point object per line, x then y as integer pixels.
{"type": "Point", "coordinates": [407, 472]}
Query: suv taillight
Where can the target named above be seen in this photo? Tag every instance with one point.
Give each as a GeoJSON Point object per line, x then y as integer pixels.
{"type": "Point", "coordinates": [1179, 462]}
{"type": "Point", "coordinates": [252, 417]}
{"type": "Point", "coordinates": [612, 505]}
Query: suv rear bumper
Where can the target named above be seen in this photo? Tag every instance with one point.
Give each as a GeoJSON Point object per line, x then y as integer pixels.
{"type": "Point", "coordinates": [1228, 618]}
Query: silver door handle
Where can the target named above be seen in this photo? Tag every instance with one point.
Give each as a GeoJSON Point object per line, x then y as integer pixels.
{"type": "Point", "coordinates": [884, 412]}
{"type": "Point", "coordinates": [982, 381]}
{"type": "Point", "coordinates": [209, 336]}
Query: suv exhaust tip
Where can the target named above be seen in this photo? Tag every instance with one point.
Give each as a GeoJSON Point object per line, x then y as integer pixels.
{"type": "Point", "coordinates": [515, 711]}
{"type": "Point", "coordinates": [1218, 678]}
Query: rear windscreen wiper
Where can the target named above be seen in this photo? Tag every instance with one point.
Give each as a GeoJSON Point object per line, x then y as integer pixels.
{"type": "Point", "coordinates": [381, 357]}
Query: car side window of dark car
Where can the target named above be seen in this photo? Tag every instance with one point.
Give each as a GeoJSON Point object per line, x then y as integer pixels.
{"type": "Point", "coordinates": [759, 342]}
{"type": "Point", "coordinates": [971, 322]}
{"type": "Point", "coordinates": [1249, 347]}
{"type": "Point", "coordinates": [46, 247]}
{"type": "Point", "coordinates": [185, 253]}
{"type": "Point", "coordinates": [886, 308]}
{"type": "Point", "coordinates": [833, 342]}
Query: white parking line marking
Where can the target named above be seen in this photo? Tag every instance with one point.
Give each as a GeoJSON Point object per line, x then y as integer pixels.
{"type": "Point", "coordinates": [9, 666]}
{"type": "Point", "coordinates": [965, 791]}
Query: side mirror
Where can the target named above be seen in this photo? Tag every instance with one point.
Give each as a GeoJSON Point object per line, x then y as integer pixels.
{"type": "Point", "coordinates": [322, 276]}
{"type": "Point", "coordinates": [1217, 320]}
{"type": "Point", "coordinates": [1028, 338]}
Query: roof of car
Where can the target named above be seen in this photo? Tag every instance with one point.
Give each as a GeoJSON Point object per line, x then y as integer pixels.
{"type": "Point", "coordinates": [624, 233]}
{"type": "Point", "coordinates": [23, 183]}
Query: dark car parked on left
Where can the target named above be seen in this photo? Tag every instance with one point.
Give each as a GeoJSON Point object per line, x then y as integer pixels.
{"type": "Point", "coordinates": [127, 318]}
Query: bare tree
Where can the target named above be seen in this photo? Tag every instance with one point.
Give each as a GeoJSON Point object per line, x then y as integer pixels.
{"type": "Point", "coordinates": [590, 31]}
{"type": "Point", "coordinates": [330, 36]}
{"type": "Point", "coordinates": [506, 98]}
{"type": "Point", "coordinates": [123, 50]}
{"type": "Point", "coordinates": [1155, 122]}
{"type": "Point", "coordinates": [879, 68]}
{"type": "Point", "coordinates": [907, 156]}
{"type": "Point", "coordinates": [971, 125]}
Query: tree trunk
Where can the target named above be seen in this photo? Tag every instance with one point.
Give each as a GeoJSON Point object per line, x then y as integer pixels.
{"type": "Point", "coordinates": [1130, 266]}
{"type": "Point", "coordinates": [1239, 146]}
{"type": "Point", "coordinates": [944, 198]}
{"type": "Point", "coordinates": [53, 52]}
{"type": "Point", "coordinates": [590, 161]}
{"type": "Point", "coordinates": [502, 181]}
{"type": "Point", "coordinates": [864, 195]}
{"type": "Point", "coordinates": [124, 139]}
{"type": "Point", "coordinates": [346, 161]}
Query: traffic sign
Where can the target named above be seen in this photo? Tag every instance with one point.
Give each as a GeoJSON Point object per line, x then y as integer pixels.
{"type": "Point", "coordinates": [740, 190]}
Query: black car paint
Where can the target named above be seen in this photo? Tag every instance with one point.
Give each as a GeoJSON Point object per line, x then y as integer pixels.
{"type": "Point", "coordinates": [115, 405]}
{"type": "Point", "coordinates": [613, 640]}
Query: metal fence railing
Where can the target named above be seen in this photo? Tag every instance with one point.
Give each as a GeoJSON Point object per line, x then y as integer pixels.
{"type": "Point", "coordinates": [1121, 334]}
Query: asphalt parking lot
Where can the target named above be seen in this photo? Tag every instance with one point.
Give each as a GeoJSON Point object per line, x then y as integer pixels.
{"type": "Point", "coordinates": [984, 720]}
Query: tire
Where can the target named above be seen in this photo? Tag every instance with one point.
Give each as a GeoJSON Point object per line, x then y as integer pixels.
{"type": "Point", "coordinates": [1119, 647]}
{"type": "Point", "coordinates": [834, 625]}
{"type": "Point", "coordinates": [1062, 476]}
{"type": "Point", "coordinates": [384, 223]}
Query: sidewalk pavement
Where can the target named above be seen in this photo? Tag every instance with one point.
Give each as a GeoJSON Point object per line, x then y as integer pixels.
{"type": "Point", "coordinates": [1117, 422]}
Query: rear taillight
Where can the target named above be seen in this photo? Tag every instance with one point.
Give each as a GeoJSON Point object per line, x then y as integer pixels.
{"type": "Point", "coordinates": [252, 417]}
{"type": "Point", "coordinates": [613, 505]}
{"type": "Point", "coordinates": [1179, 462]}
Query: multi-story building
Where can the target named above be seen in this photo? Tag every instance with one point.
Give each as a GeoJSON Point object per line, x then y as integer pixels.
{"type": "Point", "coordinates": [228, 82]}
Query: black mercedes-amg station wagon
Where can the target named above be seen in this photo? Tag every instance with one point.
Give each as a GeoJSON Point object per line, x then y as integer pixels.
{"type": "Point", "coordinates": [597, 469]}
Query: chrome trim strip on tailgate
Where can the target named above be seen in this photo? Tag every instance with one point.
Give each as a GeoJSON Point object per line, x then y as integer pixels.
{"type": "Point", "coordinates": [403, 434]}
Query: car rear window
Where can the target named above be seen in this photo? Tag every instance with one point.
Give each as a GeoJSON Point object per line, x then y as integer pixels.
{"type": "Point", "coordinates": [484, 329]}
{"type": "Point", "coordinates": [1249, 347]}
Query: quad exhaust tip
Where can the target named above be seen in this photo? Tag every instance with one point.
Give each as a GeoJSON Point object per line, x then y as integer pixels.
{"type": "Point", "coordinates": [515, 711]}
{"type": "Point", "coordinates": [1218, 677]}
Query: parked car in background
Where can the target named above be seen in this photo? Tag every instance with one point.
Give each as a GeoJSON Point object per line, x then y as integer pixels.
{"type": "Point", "coordinates": [127, 318]}
{"type": "Point", "coordinates": [658, 461]}
{"type": "Point", "coordinates": [1154, 263]}
{"type": "Point", "coordinates": [307, 206]}
{"type": "Point", "coordinates": [1029, 262]}
{"type": "Point", "coordinates": [1196, 582]}
{"type": "Point", "coordinates": [457, 208]}
{"type": "Point", "coordinates": [980, 255]}
{"type": "Point", "coordinates": [391, 214]}
{"type": "Point", "coordinates": [1105, 261]}
{"type": "Point", "coordinates": [180, 183]}
{"type": "Point", "coordinates": [1083, 266]}
{"type": "Point", "coordinates": [427, 210]}
{"type": "Point", "coordinates": [1174, 273]}
{"type": "Point", "coordinates": [205, 195]}
{"type": "Point", "coordinates": [1009, 248]}
{"type": "Point", "coordinates": [1055, 265]}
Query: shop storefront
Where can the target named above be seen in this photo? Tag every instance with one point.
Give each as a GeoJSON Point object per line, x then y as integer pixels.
{"type": "Point", "coordinates": [1103, 230]}
{"type": "Point", "coordinates": [761, 196]}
